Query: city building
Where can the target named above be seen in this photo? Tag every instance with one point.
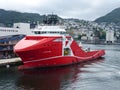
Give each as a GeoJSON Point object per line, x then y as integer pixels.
{"type": "Point", "coordinates": [110, 36]}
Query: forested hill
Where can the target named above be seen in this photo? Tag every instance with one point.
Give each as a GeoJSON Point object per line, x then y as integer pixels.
{"type": "Point", "coordinates": [9, 17]}
{"type": "Point", "coordinates": [113, 16]}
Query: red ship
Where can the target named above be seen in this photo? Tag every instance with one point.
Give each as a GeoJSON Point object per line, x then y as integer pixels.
{"type": "Point", "coordinates": [51, 46]}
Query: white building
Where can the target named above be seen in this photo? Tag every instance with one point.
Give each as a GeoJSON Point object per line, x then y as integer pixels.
{"type": "Point", "coordinates": [18, 28]}
{"type": "Point", "coordinates": [110, 36]}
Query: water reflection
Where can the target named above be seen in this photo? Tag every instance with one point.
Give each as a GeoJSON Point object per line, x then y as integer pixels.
{"type": "Point", "coordinates": [51, 79]}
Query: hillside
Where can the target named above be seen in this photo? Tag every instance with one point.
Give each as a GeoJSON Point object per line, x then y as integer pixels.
{"type": "Point", "coordinates": [113, 16]}
{"type": "Point", "coordinates": [9, 17]}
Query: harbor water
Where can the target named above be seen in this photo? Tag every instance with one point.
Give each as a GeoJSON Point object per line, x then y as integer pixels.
{"type": "Point", "coordinates": [100, 74]}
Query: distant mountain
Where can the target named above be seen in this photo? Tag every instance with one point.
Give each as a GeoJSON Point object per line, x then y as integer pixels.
{"type": "Point", "coordinates": [113, 16]}
{"type": "Point", "coordinates": [9, 17]}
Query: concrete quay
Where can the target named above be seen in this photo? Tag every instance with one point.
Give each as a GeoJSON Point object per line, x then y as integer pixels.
{"type": "Point", "coordinates": [10, 62]}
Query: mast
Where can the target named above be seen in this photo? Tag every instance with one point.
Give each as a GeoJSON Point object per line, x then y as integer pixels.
{"type": "Point", "coordinates": [50, 19]}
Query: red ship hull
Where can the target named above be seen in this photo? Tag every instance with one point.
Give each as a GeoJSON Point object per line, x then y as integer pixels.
{"type": "Point", "coordinates": [39, 51]}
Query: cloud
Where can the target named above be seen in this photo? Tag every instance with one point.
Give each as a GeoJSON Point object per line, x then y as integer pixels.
{"type": "Point", "coordinates": [82, 9]}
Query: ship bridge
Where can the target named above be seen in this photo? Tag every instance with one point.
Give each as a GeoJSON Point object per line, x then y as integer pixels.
{"type": "Point", "coordinates": [50, 30]}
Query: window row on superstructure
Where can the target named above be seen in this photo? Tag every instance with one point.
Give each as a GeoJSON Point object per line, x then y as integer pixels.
{"type": "Point", "coordinates": [5, 30]}
{"type": "Point", "coordinates": [49, 32]}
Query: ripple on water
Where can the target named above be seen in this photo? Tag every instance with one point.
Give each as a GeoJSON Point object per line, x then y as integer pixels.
{"type": "Point", "coordinates": [97, 75]}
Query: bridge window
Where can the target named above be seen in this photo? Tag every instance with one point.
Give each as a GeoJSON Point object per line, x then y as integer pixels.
{"type": "Point", "coordinates": [49, 32]}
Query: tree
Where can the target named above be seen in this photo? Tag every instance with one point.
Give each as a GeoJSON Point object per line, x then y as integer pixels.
{"type": "Point", "coordinates": [102, 35]}
{"type": "Point", "coordinates": [79, 37]}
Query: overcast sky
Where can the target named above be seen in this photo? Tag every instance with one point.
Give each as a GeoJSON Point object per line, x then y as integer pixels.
{"type": "Point", "coordinates": [81, 9]}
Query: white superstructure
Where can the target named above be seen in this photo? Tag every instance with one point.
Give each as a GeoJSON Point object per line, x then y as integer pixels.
{"type": "Point", "coordinates": [50, 31]}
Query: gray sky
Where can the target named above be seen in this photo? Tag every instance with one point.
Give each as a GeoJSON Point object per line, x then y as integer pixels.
{"type": "Point", "coordinates": [81, 9]}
